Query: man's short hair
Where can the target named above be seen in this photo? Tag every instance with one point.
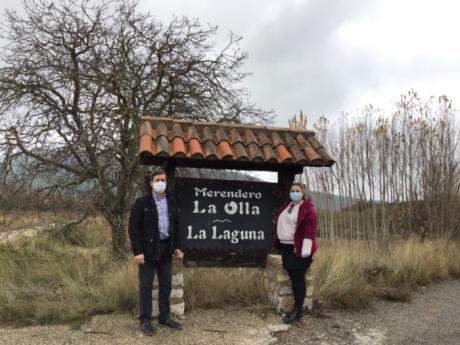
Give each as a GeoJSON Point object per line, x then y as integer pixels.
{"type": "Point", "coordinates": [157, 172]}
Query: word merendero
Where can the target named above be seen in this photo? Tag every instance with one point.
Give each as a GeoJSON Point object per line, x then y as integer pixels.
{"type": "Point", "coordinates": [239, 194]}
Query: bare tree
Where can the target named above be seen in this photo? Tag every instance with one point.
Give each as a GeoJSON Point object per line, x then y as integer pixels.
{"type": "Point", "coordinates": [76, 76]}
{"type": "Point", "coordinates": [396, 174]}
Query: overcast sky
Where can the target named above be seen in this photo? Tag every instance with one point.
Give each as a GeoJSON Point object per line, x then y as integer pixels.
{"type": "Point", "coordinates": [328, 56]}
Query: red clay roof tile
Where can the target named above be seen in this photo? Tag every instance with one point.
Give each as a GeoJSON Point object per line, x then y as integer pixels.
{"type": "Point", "coordinates": [250, 137]}
{"type": "Point", "coordinates": [192, 133]}
{"type": "Point", "coordinates": [221, 135]}
{"type": "Point", "coordinates": [298, 155]}
{"type": "Point", "coordinates": [263, 139]}
{"type": "Point", "coordinates": [146, 143]}
{"type": "Point", "coordinates": [146, 128]}
{"type": "Point", "coordinates": [210, 149]}
{"type": "Point", "coordinates": [162, 146]}
{"type": "Point", "coordinates": [206, 140]}
{"type": "Point", "coordinates": [269, 154]}
{"type": "Point", "coordinates": [177, 131]}
{"type": "Point", "coordinates": [178, 147]}
{"type": "Point", "coordinates": [310, 152]}
{"type": "Point", "coordinates": [195, 148]}
{"type": "Point", "coordinates": [255, 152]}
{"type": "Point", "coordinates": [283, 153]}
{"type": "Point", "coordinates": [240, 152]}
{"type": "Point", "coordinates": [276, 139]}
{"type": "Point", "coordinates": [236, 137]}
{"type": "Point", "coordinates": [225, 150]}
{"type": "Point", "coordinates": [289, 140]}
{"type": "Point", "coordinates": [207, 134]}
{"type": "Point", "coordinates": [162, 130]}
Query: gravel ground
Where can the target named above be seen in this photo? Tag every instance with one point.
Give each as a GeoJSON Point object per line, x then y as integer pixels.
{"type": "Point", "coordinates": [433, 317]}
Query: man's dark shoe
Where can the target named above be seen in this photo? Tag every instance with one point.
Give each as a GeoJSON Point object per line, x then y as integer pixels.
{"type": "Point", "coordinates": [294, 315]}
{"type": "Point", "coordinates": [170, 323]}
{"type": "Point", "coordinates": [147, 329]}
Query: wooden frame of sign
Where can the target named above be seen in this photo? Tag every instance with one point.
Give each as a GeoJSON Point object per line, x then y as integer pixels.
{"type": "Point", "coordinates": [207, 205]}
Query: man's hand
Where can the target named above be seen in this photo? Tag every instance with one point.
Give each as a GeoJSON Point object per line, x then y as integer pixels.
{"type": "Point", "coordinates": [178, 253]}
{"type": "Point", "coordinates": [139, 259]}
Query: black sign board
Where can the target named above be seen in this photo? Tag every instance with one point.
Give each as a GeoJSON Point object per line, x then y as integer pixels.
{"type": "Point", "coordinates": [225, 216]}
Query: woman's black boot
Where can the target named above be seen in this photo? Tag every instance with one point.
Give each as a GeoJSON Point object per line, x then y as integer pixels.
{"type": "Point", "coordinates": [294, 315]}
{"type": "Point", "coordinates": [291, 312]}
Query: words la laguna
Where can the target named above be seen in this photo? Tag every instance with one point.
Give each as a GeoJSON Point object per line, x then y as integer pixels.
{"type": "Point", "coordinates": [233, 236]}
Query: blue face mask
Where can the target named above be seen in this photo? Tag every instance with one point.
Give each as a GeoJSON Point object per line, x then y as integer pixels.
{"type": "Point", "coordinates": [295, 196]}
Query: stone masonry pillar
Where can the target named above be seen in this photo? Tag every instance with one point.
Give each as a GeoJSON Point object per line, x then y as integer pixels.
{"type": "Point", "coordinates": [278, 286]}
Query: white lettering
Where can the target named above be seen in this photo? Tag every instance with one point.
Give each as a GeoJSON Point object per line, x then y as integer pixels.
{"type": "Point", "coordinates": [212, 209]}
{"type": "Point", "coordinates": [205, 192]}
{"type": "Point", "coordinates": [231, 207]}
{"type": "Point", "coordinates": [200, 236]}
{"type": "Point", "coordinates": [198, 191]}
{"type": "Point", "coordinates": [233, 236]}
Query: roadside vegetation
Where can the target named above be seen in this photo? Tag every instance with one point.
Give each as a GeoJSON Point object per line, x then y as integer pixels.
{"type": "Point", "coordinates": [60, 277]}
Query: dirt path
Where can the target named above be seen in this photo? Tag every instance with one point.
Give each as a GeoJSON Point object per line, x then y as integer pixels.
{"type": "Point", "coordinates": [433, 317]}
{"type": "Point", "coordinates": [16, 234]}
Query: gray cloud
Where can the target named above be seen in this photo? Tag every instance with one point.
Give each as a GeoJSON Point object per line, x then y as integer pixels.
{"type": "Point", "coordinates": [298, 62]}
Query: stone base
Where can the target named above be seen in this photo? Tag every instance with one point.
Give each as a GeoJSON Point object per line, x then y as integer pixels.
{"type": "Point", "coordinates": [278, 285]}
{"type": "Point", "coordinates": [276, 282]}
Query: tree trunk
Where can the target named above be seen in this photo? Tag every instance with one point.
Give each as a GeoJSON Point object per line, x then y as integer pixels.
{"type": "Point", "coordinates": [119, 236]}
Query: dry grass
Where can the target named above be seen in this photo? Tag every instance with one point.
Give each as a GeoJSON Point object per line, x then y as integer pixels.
{"type": "Point", "coordinates": [352, 273]}
{"type": "Point", "coordinates": [56, 279]}
{"type": "Point", "coordinates": [11, 220]}
{"type": "Point", "coordinates": [53, 278]}
{"type": "Point", "coordinates": [49, 280]}
{"type": "Point", "coordinates": [214, 287]}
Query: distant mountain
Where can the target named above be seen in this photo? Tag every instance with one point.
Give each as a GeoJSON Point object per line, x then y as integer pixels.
{"type": "Point", "coordinates": [320, 200]}
{"type": "Point", "coordinates": [331, 202]}
{"type": "Point", "coordinates": [224, 174]}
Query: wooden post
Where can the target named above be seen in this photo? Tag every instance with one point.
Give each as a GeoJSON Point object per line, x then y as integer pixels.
{"type": "Point", "coordinates": [285, 180]}
{"type": "Point", "coordinates": [170, 169]}
{"type": "Point", "coordinates": [147, 186]}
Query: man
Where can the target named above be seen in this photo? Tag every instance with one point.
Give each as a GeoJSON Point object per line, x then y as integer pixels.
{"type": "Point", "coordinates": [154, 235]}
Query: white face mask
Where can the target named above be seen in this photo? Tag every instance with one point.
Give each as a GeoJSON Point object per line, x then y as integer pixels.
{"type": "Point", "coordinates": [159, 187]}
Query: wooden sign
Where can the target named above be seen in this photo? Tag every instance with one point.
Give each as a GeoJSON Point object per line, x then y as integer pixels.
{"type": "Point", "coordinates": [225, 216]}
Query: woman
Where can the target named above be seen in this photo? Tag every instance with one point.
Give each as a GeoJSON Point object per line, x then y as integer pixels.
{"type": "Point", "coordinates": [295, 238]}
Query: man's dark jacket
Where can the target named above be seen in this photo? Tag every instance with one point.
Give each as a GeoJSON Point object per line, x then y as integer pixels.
{"type": "Point", "coordinates": [144, 229]}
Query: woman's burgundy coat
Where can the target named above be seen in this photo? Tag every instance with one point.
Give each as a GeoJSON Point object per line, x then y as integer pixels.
{"type": "Point", "coordinates": [306, 227]}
